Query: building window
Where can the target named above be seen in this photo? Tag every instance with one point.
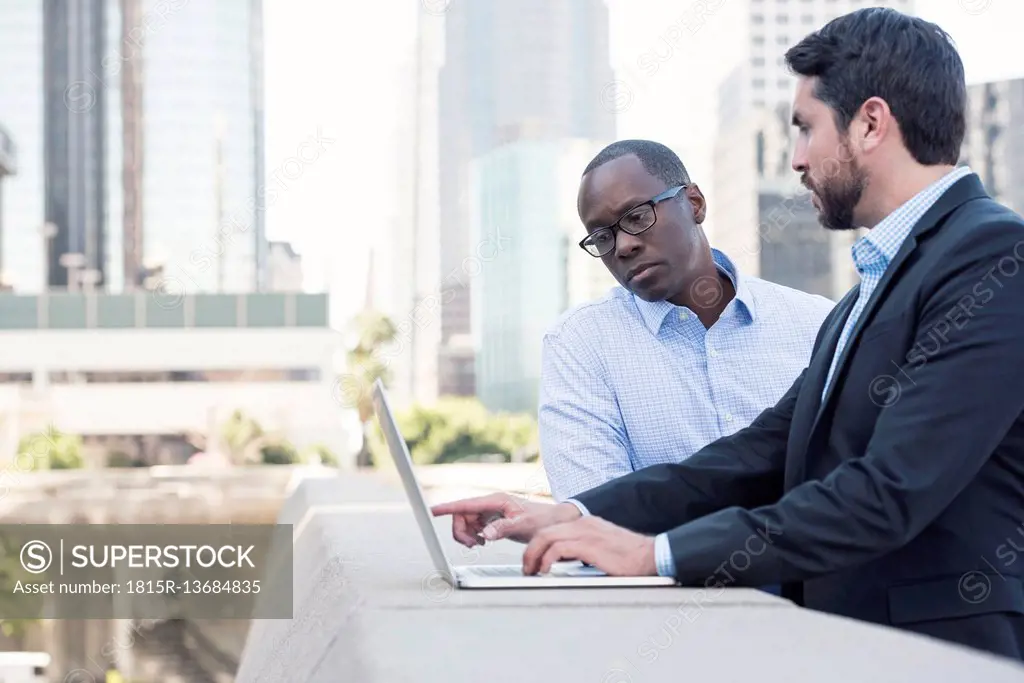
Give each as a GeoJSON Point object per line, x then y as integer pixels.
{"type": "Point", "coordinates": [782, 19]}
{"type": "Point", "coordinates": [991, 98]}
{"type": "Point", "coordinates": [759, 40]}
{"type": "Point", "coordinates": [758, 84]}
{"type": "Point", "coordinates": [807, 18]}
{"type": "Point", "coordinates": [757, 61]}
{"type": "Point", "coordinates": [782, 40]}
{"type": "Point", "coordinates": [757, 19]}
{"type": "Point", "coordinates": [760, 153]}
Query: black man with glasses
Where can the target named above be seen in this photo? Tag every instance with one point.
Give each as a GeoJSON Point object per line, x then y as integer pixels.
{"type": "Point", "coordinates": [686, 351]}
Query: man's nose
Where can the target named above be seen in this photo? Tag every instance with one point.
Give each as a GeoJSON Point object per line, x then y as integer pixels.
{"type": "Point", "coordinates": [626, 244]}
{"type": "Point", "coordinates": [799, 163]}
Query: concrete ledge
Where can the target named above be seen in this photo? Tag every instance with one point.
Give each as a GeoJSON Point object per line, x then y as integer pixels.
{"type": "Point", "coordinates": [369, 606]}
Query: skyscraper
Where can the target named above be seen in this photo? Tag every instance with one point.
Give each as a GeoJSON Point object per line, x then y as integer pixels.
{"type": "Point", "coordinates": [140, 133]}
{"type": "Point", "coordinates": [761, 216]}
{"type": "Point", "coordinates": [527, 265]}
{"type": "Point", "coordinates": [203, 143]}
{"type": "Point", "coordinates": [994, 143]}
{"type": "Point", "coordinates": [403, 281]}
{"type": "Point", "coordinates": [21, 114]}
{"type": "Point", "coordinates": [8, 167]}
{"type": "Point", "coordinates": [132, 146]}
{"type": "Point", "coordinates": [510, 66]}
{"type": "Point", "coordinates": [74, 140]}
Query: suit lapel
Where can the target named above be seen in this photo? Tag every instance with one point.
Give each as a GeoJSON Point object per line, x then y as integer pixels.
{"type": "Point", "coordinates": [967, 188]}
{"type": "Point", "coordinates": [817, 371]}
{"type": "Point", "coordinates": [808, 405]}
{"type": "Point", "coordinates": [863, 320]}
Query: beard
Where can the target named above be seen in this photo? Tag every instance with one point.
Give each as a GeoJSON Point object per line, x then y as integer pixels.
{"type": "Point", "coordinates": [839, 195]}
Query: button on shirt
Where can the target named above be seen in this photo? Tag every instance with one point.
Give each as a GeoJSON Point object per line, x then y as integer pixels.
{"type": "Point", "coordinates": [627, 383]}
{"type": "Point", "coordinates": [873, 253]}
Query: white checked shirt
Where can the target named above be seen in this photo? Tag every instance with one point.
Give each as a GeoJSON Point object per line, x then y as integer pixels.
{"type": "Point", "coordinates": [627, 383]}
{"type": "Point", "coordinates": [873, 253]}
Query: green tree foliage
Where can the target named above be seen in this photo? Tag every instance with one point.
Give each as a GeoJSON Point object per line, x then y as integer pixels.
{"type": "Point", "coordinates": [326, 456]}
{"type": "Point", "coordinates": [279, 452]}
{"type": "Point", "coordinates": [241, 435]}
{"type": "Point", "coordinates": [11, 602]}
{"type": "Point", "coordinates": [458, 428]}
{"type": "Point", "coordinates": [372, 333]}
{"type": "Point", "coordinates": [119, 459]}
{"type": "Point", "coordinates": [50, 450]}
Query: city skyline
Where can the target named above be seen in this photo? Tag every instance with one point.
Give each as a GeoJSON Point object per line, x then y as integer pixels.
{"type": "Point", "coordinates": [670, 99]}
{"type": "Point", "coordinates": [643, 55]}
{"type": "Point", "coordinates": [141, 143]}
{"type": "Point", "coordinates": [513, 70]}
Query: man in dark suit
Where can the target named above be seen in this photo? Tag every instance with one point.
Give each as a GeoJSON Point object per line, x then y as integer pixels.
{"type": "Point", "coordinates": [883, 484]}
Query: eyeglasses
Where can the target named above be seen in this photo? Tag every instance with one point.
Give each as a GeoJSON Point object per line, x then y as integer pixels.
{"type": "Point", "coordinates": [635, 221]}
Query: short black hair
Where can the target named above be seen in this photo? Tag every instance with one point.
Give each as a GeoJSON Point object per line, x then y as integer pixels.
{"type": "Point", "coordinates": [657, 159]}
{"type": "Point", "coordinates": [910, 63]}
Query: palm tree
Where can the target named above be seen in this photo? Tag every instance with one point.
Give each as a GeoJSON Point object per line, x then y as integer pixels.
{"type": "Point", "coordinates": [371, 333]}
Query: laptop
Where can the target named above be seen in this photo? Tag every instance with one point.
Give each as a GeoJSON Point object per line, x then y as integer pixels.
{"type": "Point", "coordinates": [562, 574]}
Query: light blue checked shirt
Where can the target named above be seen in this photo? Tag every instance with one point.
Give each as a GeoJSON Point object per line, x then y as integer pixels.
{"type": "Point", "coordinates": [873, 253]}
{"type": "Point", "coordinates": [627, 383]}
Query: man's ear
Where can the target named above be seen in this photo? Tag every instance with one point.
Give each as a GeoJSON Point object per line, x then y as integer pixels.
{"type": "Point", "coordinates": [697, 203]}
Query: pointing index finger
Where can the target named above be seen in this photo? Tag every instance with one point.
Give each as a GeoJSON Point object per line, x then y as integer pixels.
{"type": "Point", "coordinates": [479, 505]}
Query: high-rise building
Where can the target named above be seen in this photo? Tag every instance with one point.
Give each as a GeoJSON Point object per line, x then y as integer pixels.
{"type": "Point", "coordinates": [404, 280]}
{"type": "Point", "coordinates": [203, 146]}
{"type": "Point", "coordinates": [773, 26]}
{"type": "Point", "coordinates": [259, 170]}
{"type": "Point", "coordinates": [21, 112]}
{"type": "Point", "coordinates": [994, 144]}
{"type": "Point", "coordinates": [8, 167]}
{"type": "Point", "coordinates": [760, 214]}
{"type": "Point", "coordinates": [74, 40]}
{"type": "Point", "coordinates": [132, 142]}
{"type": "Point", "coordinates": [527, 266]}
{"type": "Point", "coordinates": [509, 65]}
{"type": "Point", "coordinates": [140, 131]}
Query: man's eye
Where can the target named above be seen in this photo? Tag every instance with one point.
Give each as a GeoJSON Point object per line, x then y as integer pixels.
{"type": "Point", "coordinates": [634, 219]}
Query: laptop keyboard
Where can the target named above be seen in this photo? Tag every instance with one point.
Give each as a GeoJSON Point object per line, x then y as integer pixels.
{"type": "Point", "coordinates": [557, 569]}
{"type": "Point", "coordinates": [492, 570]}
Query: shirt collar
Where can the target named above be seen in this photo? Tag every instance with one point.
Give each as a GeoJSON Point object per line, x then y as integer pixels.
{"type": "Point", "coordinates": [654, 313]}
{"type": "Point", "coordinates": [880, 245]}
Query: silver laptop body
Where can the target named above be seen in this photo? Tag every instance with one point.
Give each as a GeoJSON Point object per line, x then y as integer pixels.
{"type": "Point", "coordinates": [562, 574]}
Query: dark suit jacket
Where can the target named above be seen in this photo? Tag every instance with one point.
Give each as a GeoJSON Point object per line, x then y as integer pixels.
{"type": "Point", "coordinates": [899, 498]}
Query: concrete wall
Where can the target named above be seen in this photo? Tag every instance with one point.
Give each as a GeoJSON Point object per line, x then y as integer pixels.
{"type": "Point", "coordinates": [369, 606]}
{"type": "Point", "coordinates": [306, 412]}
{"type": "Point", "coordinates": [172, 349]}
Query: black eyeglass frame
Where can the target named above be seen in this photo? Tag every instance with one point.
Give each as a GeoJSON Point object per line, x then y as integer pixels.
{"type": "Point", "coordinates": [615, 227]}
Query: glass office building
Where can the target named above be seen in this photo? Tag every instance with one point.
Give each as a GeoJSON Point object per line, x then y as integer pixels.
{"type": "Point", "coordinates": [21, 114]}
{"type": "Point", "coordinates": [201, 139]}
{"type": "Point", "coordinates": [203, 143]}
{"type": "Point", "coordinates": [524, 268]}
{"type": "Point", "coordinates": [508, 63]}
